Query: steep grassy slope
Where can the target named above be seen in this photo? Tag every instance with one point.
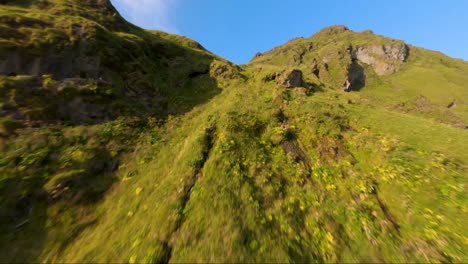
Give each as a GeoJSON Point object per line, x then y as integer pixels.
{"type": "Point", "coordinates": [79, 87]}
{"type": "Point", "coordinates": [271, 162]}
{"type": "Point", "coordinates": [306, 181]}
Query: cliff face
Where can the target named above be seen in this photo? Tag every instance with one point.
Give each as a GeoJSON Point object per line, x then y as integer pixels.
{"type": "Point", "coordinates": [63, 63]}
{"type": "Point", "coordinates": [69, 64]}
{"type": "Point", "coordinates": [77, 48]}
{"type": "Point", "coordinates": [36, 43]}
{"type": "Point", "coordinates": [384, 59]}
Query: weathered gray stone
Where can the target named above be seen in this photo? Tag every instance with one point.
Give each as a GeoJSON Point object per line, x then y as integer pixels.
{"type": "Point", "coordinates": [384, 59]}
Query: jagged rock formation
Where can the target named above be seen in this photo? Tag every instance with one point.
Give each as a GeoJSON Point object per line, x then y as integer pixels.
{"type": "Point", "coordinates": [384, 59]}
{"type": "Point", "coordinates": [356, 78]}
{"type": "Point", "coordinates": [287, 78]}
{"type": "Point", "coordinates": [290, 79]}
{"type": "Point", "coordinates": [315, 68]}
{"type": "Point", "coordinates": [78, 63]}
{"type": "Point", "coordinates": [62, 64]}
{"type": "Point", "coordinates": [345, 57]}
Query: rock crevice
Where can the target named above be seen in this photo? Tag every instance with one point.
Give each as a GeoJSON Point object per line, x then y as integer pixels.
{"type": "Point", "coordinates": [356, 78]}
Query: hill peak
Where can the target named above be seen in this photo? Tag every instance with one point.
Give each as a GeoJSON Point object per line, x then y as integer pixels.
{"type": "Point", "coordinates": [334, 29]}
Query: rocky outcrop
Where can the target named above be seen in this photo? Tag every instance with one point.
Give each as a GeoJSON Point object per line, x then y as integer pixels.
{"type": "Point", "coordinates": [60, 64]}
{"type": "Point", "coordinates": [384, 59]}
{"type": "Point", "coordinates": [356, 78]}
{"type": "Point", "coordinates": [257, 55]}
{"type": "Point", "coordinates": [290, 79]}
{"type": "Point", "coordinates": [42, 100]}
{"type": "Point", "coordinates": [224, 71]}
{"type": "Point", "coordinates": [315, 68]}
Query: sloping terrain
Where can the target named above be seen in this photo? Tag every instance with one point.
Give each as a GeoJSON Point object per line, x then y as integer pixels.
{"type": "Point", "coordinates": [126, 145]}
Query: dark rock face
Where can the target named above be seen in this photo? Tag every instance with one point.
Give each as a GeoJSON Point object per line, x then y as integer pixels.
{"type": "Point", "coordinates": [60, 65]}
{"type": "Point", "coordinates": [290, 79]}
{"type": "Point", "coordinates": [315, 69]}
{"type": "Point", "coordinates": [356, 77]}
{"type": "Point", "coordinates": [82, 112]}
{"type": "Point", "coordinates": [384, 59]}
{"type": "Point", "coordinates": [270, 77]}
{"type": "Point", "coordinates": [42, 100]}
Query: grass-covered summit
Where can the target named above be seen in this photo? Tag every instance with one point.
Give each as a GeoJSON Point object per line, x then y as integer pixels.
{"type": "Point", "coordinates": [121, 144]}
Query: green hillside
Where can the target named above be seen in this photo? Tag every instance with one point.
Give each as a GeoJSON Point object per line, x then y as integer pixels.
{"type": "Point", "coordinates": [121, 144]}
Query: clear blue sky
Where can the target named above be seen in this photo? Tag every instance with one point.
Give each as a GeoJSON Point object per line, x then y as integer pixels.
{"type": "Point", "coordinates": [237, 29]}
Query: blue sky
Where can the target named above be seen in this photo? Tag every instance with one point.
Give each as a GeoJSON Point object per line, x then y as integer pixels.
{"type": "Point", "coordinates": [237, 29]}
